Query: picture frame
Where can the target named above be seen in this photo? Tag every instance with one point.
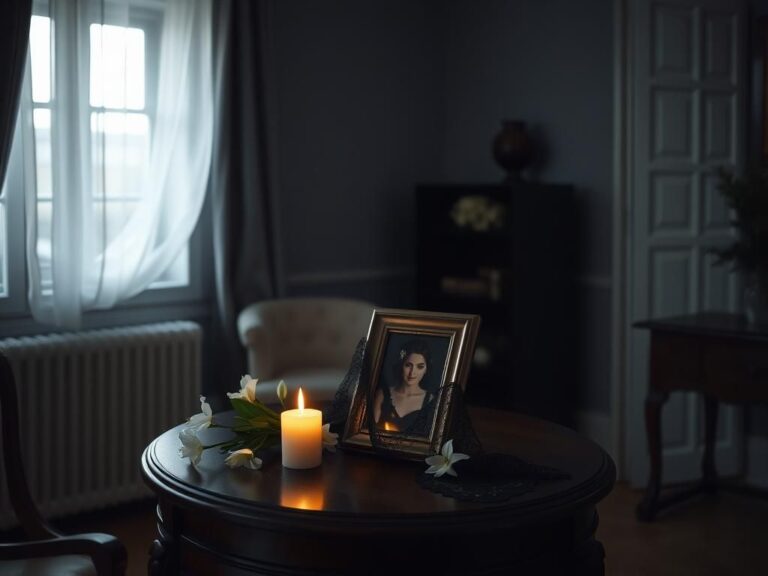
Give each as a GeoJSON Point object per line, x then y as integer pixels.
{"type": "Point", "coordinates": [414, 362]}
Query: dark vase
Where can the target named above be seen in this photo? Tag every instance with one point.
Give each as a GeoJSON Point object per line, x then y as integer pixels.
{"type": "Point", "coordinates": [513, 148]}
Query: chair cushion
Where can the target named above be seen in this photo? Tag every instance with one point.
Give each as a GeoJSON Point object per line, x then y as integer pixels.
{"type": "Point", "coordinates": [72, 565]}
{"type": "Point", "coordinates": [319, 385]}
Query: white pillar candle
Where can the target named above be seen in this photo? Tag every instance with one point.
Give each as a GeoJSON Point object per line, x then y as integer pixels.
{"type": "Point", "coordinates": [301, 432]}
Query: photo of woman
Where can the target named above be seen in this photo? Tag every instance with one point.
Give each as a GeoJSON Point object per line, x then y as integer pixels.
{"type": "Point", "coordinates": [411, 376]}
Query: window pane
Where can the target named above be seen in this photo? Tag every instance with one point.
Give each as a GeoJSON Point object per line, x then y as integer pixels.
{"type": "Point", "coordinates": [177, 273]}
{"type": "Point", "coordinates": [113, 213]}
{"type": "Point", "coordinates": [40, 51]}
{"type": "Point", "coordinates": [41, 118]}
{"type": "Point", "coordinates": [120, 153]}
{"type": "Point", "coordinates": [44, 230]}
{"type": "Point", "coordinates": [117, 67]}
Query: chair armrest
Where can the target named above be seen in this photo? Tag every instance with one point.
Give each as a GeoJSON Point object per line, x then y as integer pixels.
{"type": "Point", "coordinates": [107, 553]}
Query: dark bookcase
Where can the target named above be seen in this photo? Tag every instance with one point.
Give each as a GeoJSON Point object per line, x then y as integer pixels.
{"type": "Point", "coordinates": [508, 253]}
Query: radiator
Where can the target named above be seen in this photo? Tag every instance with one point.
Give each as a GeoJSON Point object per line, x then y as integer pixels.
{"type": "Point", "coordinates": [90, 402]}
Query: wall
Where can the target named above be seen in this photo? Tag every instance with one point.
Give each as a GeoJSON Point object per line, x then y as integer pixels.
{"type": "Point", "coordinates": [371, 98]}
{"type": "Point", "coordinates": [356, 104]}
{"type": "Point", "coordinates": [549, 63]}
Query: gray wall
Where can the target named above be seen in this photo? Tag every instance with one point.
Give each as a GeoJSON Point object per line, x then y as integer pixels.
{"type": "Point", "coordinates": [357, 103]}
{"type": "Point", "coordinates": [549, 63]}
{"type": "Point", "coordinates": [373, 97]}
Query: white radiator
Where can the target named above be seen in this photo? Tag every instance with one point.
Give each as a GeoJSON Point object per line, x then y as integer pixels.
{"type": "Point", "coordinates": [90, 402]}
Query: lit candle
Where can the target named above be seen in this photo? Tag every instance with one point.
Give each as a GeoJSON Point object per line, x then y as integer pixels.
{"type": "Point", "coordinates": [302, 436]}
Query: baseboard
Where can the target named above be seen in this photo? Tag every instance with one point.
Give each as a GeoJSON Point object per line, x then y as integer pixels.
{"type": "Point", "coordinates": [757, 461]}
{"type": "Point", "coordinates": [597, 427]}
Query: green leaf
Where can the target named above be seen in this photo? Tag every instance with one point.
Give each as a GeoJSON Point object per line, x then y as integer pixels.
{"type": "Point", "coordinates": [248, 410]}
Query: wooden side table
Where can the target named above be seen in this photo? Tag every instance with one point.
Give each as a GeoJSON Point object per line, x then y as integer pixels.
{"type": "Point", "coordinates": [361, 514]}
{"type": "Point", "coordinates": [718, 355]}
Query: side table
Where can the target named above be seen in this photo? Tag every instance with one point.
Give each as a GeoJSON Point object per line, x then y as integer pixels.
{"type": "Point", "coordinates": [362, 514]}
{"type": "Point", "coordinates": [717, 355]}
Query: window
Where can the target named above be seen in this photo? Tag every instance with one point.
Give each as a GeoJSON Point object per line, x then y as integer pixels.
{"type": "Point", "coordinates": [122, 77]}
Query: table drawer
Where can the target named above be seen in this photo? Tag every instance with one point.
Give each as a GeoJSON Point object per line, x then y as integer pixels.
{"type": "Point", "coordinates": [736, 371]}
{"type": "Point", "coordinates": [675, 362]}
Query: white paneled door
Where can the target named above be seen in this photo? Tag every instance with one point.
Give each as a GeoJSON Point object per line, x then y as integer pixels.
{"type": "Point", "coordinates": [687, 92]}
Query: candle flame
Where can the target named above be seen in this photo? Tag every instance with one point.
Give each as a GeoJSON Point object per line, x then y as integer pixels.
{"type": "Point", "coordinates": [390, 427]}
{"type": "Point", "coordinates": [301, 401]}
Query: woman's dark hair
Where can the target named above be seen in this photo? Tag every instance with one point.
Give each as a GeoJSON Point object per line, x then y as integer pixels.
{"type": "Point", "coordinates": [415, 346]}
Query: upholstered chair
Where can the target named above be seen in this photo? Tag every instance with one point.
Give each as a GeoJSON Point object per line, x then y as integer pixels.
{"type": "Point", "coordinates": [46, 552]}
{"type": "Point", "coordinates": [308, 342]}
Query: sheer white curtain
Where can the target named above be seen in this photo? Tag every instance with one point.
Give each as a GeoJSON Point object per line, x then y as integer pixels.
{"type": "Point", "coordinates": [121, 148]}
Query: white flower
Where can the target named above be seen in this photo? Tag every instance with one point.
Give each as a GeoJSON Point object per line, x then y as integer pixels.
{"type": "Point", "coordinates": [247, 389]}
{"type": "Point", "coordinates": [440, 464]}
{"type": "Point", "coordinates": [191, 447]}
{"type": "Point", "coordinates": [244, 458]}
{"type": "Point", "coordinates": [202, 420]}
{"type": "Point", "coordinates": [282, 392]}
{"type": "Point", "coordinates": [330, 439]}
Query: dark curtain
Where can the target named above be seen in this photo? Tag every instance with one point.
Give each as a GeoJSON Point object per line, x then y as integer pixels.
{"type": "Point", "coordinates": [242, 248]}
{"type": "Point", "coordinates": [14, 38]}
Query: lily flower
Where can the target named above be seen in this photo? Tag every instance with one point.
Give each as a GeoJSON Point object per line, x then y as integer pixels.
{"type": "Point", "coordinates": [191, 447]}
{"type": "Point", "coordinates": [247, 389]}
{"type": "Point", "coordinates": [243, 457]}
{"type": "Point", "coordinates": [282, 392]}
{"type": "Point", "coordinates": [202, 420]}
{"type": "Point", "coordinates": [330, 439]}
{"type": "Point", "coordinates": [442, 463]}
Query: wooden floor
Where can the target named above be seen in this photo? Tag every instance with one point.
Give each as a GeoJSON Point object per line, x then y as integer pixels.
{"type": "Point", "coordinates": [724, 534]}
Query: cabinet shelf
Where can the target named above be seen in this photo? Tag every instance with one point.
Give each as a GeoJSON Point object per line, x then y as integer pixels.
{"type": "Point", "coordinates": [516, 276]}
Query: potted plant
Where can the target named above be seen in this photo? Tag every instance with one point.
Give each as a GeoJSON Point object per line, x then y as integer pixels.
{"type": "Point", "coordinates": [747, 198]}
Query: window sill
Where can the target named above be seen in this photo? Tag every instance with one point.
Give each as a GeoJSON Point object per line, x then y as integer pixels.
{"type": "Point", "coordinates": [125, 315]}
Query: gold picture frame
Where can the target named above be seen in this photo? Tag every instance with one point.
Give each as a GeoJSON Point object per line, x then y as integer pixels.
{"type": "Point", "coordinates": [410, 351]}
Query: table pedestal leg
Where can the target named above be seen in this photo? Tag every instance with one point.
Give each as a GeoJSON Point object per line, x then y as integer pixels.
{"type": "Point", "coordinates": [709, 473]}
{"type": "Point", "coordinates": [647, 508]}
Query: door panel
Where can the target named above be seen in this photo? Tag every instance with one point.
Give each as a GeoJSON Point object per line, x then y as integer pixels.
{"type": "Point", "coordinates": [688, 91]}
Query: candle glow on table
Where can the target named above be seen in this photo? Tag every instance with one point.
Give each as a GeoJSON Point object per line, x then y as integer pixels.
{"type": "Point", "coordinates": [301, 432]}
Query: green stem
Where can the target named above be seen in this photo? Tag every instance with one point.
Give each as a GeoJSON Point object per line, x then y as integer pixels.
{"type": "Point", "coordinates": [219, 444]}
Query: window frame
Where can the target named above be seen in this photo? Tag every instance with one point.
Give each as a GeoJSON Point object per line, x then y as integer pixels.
{"type": "Point", "coordinates": [155, 303]}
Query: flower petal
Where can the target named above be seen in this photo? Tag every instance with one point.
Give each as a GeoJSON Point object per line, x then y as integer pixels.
{"type": "Point", "coordinates": [330, 439]}
{"type": "Point", "coordinates": [448, 449]}
{"type": "Point", "coordinates": [282, 391]}
{"type": "Point", "coordinates": [436, 460]}
{"type": "Point", "coordinates": [254, 463]}
{"type": "Point", "coordinates": [458, 457]}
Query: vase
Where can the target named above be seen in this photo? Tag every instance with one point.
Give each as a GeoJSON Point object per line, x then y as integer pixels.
{"type": "Point", "coordinates": [756, 298]}
{"type": "Point", "coordinates": [513, 148]}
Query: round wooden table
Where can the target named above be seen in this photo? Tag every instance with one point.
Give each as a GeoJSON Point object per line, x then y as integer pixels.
{"type": "Point", "coordinates": [362, 514]}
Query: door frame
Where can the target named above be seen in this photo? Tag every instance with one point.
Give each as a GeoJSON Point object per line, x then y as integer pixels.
{"type": "Point", "coordinates": [620, 257]}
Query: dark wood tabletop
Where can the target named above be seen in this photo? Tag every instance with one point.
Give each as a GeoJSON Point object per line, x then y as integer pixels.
{"type": "Point", "coordinates": [359, 497]}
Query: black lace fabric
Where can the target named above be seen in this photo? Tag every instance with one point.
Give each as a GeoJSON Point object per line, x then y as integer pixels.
{"type": "Point", "coordinates": [482, 478]}
{"type": "Point", "coordinates": [491, 478]}
{"type": "Point", "coordinates": [337, 413]}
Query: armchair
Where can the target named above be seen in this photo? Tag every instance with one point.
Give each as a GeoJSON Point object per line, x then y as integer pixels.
{"type": "Point", "coordinates": [48, 552]}
{"type": "Point", "coordinates": [307, 342]}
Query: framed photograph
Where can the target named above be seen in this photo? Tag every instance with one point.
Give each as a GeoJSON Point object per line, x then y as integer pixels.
{"type": "Point", "coordinates": [413, 363]}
